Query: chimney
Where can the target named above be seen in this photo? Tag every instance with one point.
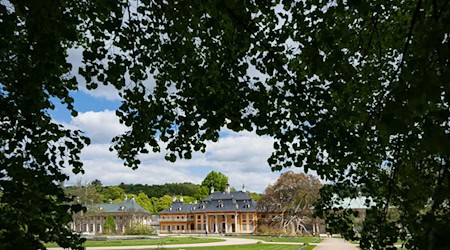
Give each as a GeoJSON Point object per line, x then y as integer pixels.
{"type": "Point", "coordinates": [181, 198]}
{"type": "Point", "coordinates": [132, 198]}
{"type": "Point", "coordinates": [228, 188]}
{"type": "Point", "coordinates": [212, 189]}
{"type": "Point", "coordinates": [174, 199]}
{"type": "Point", "coordinates": [126, 198]}
{"type": "Point", "coordinates": [110, 201]}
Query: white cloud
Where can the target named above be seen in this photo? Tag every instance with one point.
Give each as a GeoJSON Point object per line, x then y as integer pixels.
{"type": "Point", "coordinates": [241, 156]}
{"type": "Point", "coordinates": [101, 126]}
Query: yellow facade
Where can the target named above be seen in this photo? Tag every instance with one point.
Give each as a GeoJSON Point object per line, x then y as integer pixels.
{"type": "Point", "coordinates": [208, 222]}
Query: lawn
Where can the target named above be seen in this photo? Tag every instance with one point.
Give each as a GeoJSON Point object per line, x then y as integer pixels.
{"type": "Point", "coordinates": [251, 247]}
{"type": "Point", "coordinates": [162, 241]}
{"type": "Point", "coordinates": [282, 239]}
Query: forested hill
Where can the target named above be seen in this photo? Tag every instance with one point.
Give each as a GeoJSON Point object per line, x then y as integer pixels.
{"type": "Point", "coordinates": [187, 188]}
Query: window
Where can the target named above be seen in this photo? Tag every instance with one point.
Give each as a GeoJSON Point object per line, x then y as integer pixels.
{"type": "Point", "coordinates": [251, 226]}
{"type": "Point", "coordinates": [163, 227]}
{"type": "Point", "coordinates": [168, 228]}
{"type": "Point", "coordinates": [232, 217]}
{"type": "Point", "coordinates": [178, 227]}
{"type": "Point", "coordinates": [199, 227]}
{"type": "Point", "coordinates": [199, 217]}
{"type": "Point", "coordinates": [244, 227]}
{"type": "Point", "coordinates": [178, 217]}
{"type": "Point", "coordinates": [182, 227]}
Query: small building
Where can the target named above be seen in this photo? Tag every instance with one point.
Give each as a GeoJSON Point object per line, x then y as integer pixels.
{"type": "Point", "coordinates": [220, 212]}
{"type": "Point", "coordinates": [125, 214]}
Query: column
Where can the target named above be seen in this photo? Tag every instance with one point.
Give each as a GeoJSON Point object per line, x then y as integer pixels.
{"type": "Point", "coordinates": [207, 222]}
{"type": "Point", "coordinates": [93, 229]}
{"type": "Point", "coordinates": [100, 229]}
{"type": "Point", "coordinates": [216, 227]}
{"type": "Point", "coordinates": [235, 223]}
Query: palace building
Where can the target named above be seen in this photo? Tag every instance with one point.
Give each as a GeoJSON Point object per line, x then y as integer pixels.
{"type": "Point", "coordinates": [124, 214]}
{"type": "Point", "coordinates": [220, 212]}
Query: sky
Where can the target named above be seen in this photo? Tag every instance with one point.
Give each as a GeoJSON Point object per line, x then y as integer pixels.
{"type": "Point", "coordinates": [240, 156]}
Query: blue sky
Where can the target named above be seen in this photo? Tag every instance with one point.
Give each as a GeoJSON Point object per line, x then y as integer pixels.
{"type": "Point", "coordinates": [240, 156]}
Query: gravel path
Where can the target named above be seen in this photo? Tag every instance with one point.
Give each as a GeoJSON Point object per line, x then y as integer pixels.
{"type": "Point", "coordinates": [335, 244]}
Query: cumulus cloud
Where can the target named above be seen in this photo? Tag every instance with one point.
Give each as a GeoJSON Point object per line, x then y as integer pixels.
{"type": "Point", "coordinates": [101, 127]}
{"type": "Point", "coordinates": [240, 156]}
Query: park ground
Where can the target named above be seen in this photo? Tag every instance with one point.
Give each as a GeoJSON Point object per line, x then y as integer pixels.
{"type": "Point", "coordinates": [224, 243]}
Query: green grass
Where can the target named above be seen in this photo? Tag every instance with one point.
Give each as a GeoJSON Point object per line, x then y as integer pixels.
{"type": "Point", "coordinates": [282, 239]}
{"type": "Point", "coordinates": [162, 241]}
{"type": "Point", "coordinates": [251, 247]}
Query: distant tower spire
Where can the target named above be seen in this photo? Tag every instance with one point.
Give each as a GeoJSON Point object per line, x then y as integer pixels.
{"type": "Point", "coordinates": [228, 188]}
{"type": "Point", "coordinates": [243, 188]}
{"type": "Point", "coordinates": [212, 189]}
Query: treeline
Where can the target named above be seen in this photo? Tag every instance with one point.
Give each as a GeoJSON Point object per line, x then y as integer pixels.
{"type": "Point", "coordinates": [187, 188]}
{"type": "Point", "coordinates": [153, 198]}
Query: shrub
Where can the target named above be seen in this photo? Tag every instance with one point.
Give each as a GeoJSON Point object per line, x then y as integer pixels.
{"type": "Point", "coordinates": [140, 230]}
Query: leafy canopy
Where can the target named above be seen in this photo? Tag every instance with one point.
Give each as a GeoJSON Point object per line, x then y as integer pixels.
{"type": "Point", "coordinates": [357, 91]}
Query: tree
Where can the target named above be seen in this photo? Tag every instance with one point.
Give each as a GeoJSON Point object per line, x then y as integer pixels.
{"type": "Point", "coordinates": [188, 199]}
{"type": "Point", "coordinates": [97, 184]}
{"type": "Point", "coordinates": [34, 73]}
{"type": "Point", "coordinates": [202, 193]}
{"type": "Point", "coordinates": [292, 197]}
{"type": "Point", "coordinates": [215, 180]}
{"type": "Point", "coordinates": [164, 202]}
{"type": "Point", "coordinates": [146, 203]}
{"type": "Point", "coordinates": [254, 196]}
{"type": "Point", "coordinates": [356, 90]}
{"type": "Point", "coordinates": [85, 193]}
{"type": "Point", "coordinates": [110, 225]}
{"type": "Point", "coordinates": [114, 193]}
